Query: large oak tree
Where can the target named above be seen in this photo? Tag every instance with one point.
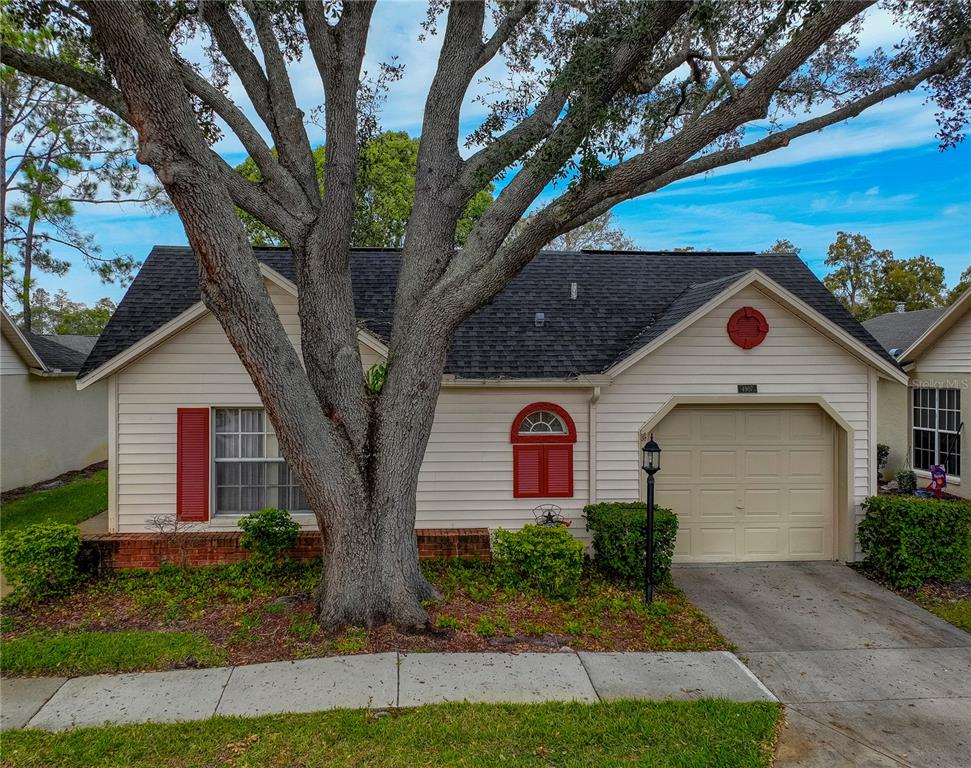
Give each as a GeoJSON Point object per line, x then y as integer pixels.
{"type": "Point", "coordinates": [609, 99]}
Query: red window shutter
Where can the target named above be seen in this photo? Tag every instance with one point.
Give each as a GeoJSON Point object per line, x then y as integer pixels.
{"type": "Point", "coordinates": [192, 468]}
{"type": "Point", "coordinates": [527, 471]}
{"type": "Point", "coordinates": [559, 470]}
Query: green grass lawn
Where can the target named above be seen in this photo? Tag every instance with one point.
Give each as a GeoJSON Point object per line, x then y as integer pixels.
{"type": "Point", "coordinates": [700, 734]}
{"type": "Point", "coordinates": [89, 653]}
{"type": "Point", "coordinates": [71, 503]}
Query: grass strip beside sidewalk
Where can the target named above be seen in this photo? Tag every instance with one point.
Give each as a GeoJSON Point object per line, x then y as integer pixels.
{"type": "Point", "coordinates": [658, 734]}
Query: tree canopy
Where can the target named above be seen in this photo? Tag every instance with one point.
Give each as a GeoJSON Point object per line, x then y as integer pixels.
{"type": "Point", "coordinates": [60, 149]}
{"type": "Point", "coordinates": [871, 282]}
{"type": "Point", "coordinates": [385, 194]}
{"type": "Point", "coordinates": [57, 314]}
{"type": "Point", "coordinates": [598, 103]}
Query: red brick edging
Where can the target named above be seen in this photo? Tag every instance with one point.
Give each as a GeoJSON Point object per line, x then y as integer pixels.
{"type": "Point", "coordinates": [109, 551]}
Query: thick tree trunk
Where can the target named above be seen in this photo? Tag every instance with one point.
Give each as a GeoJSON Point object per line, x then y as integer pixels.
{"type": "Point", "coordinates": [370, 570]}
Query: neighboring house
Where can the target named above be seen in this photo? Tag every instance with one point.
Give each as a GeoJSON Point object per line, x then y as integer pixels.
{"type": "Point", "coordinates": [758, 385]}
{"type": "Point", "coordinates": [927, 421]}
{"type": "Point", "coordinates": [47, 426]}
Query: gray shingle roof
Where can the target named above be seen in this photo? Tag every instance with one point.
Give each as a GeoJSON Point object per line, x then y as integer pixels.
{"type": "Point", "coordinates": [624, 299]}
{"type": "Point", "coordinates": [66, 353]}
{"type": "Point", "coordinates": [898, 330]}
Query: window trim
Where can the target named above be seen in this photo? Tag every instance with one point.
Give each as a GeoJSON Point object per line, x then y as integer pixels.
{"type": "Point", "coordinates": [543, 437]}
{"type": "Point", "coordinates": [542, 441]}
{"type": "Point", "coordinates": [215, 513]}
{"type": "Point", "coordinates": [936, 430]}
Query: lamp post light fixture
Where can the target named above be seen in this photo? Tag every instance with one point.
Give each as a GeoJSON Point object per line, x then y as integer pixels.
{"type": "Point", "coordinates": [651, 464]}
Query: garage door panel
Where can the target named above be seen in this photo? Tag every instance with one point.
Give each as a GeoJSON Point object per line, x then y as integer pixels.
{"type": "Point", "coordinates": [762, 426]}
{"type": "Point", "coordinates": [809, 426]}
{"type": "Point", "coordinates": [716, 502]}
{"type": "Point", "coordinates": [749, 483]}
{"type": "Point", "coordinates": [808, 542]}
{"type": "Point", "coordinates": [761, 542]}
{"type": "Point", "coordinates": [718, 542]}
{"type": "Point", "coordinates": [764, 464]}
{"type": "Point", "coordinates": [716, 425]}
{"type": "Point", "coordinates": [716, 465]}
{"type": "Point", "coordinates": [764, 502]}
{"type": "Point", "coordinates": [809, 502]}
{"type": "Point", "coordinates": [816, 463]}
{"type": "Point", "coordinates": [677, 464]}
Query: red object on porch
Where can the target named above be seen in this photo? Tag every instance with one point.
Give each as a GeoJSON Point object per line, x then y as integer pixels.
{"type": "Point", "coordinates": [747, 327]}
{"type": "Point", "coordinates": [192, 465]}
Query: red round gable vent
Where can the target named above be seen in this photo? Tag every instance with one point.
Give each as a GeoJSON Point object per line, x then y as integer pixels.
{"type": "Point", "coordinates": [747, 327]}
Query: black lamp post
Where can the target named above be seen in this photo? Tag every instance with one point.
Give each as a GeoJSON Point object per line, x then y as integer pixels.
{"type": "Point", "coordinates": [652, 463]}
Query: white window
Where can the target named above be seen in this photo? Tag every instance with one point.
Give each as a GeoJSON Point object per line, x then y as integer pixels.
{"type": "Point", "coordinates": [542, 422]}
{"type": "Point", "coordinates": [250, 473]}
{"type": "Point", "coordinates": [937, 418]}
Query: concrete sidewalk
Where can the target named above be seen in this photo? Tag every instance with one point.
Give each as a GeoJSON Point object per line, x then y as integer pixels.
{"type": "Point", "coordinates": [372, 681]}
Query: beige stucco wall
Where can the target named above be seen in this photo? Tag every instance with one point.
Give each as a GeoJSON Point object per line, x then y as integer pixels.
{"type": "Point", "coordinates": [47, 427]}
{"type": "Point", "coordinates": [892, 406]}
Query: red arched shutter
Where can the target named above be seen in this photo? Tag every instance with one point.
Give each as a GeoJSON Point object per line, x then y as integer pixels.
{"type": "Point", "coordinates": [527, 471]}
{"type": "Point", "coordinates": [559, 470]}
{"type": "Point", "coordinates": [192, 465]}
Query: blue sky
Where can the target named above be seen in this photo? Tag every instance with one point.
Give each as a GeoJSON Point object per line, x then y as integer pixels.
{"type": "Point", "coordinates": [880, 174]}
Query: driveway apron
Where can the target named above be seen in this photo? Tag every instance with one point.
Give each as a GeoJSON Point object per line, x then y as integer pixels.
{"type": "Point", "coordinates": [868, 678]}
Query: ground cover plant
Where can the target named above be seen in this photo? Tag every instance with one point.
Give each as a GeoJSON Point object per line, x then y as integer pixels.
{"type": "Point", "coordinates": [658, 734]}
{"type": "Point", "coordinates": [71, 503]}
{"type": "Point", "coordinates": [246, 613]}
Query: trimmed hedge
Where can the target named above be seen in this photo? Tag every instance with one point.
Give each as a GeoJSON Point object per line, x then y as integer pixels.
{"type": "Point", "coordinates": [548, 560]}
{"type": "Point", "coordinates": [910, 540]}
{"type": "Point", "coordinates": [619, 541]}
{"type": "Point", "coordinates": [41, 561]}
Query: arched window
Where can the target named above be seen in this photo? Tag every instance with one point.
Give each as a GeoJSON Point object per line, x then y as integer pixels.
{"type": "Point", "coordinates": [542, 435]}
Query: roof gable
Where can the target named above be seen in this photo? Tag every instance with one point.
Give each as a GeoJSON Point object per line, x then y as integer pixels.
{"type": "Point", "coordinates": [19, 341]}
{"type": "Point", "coordinates": [622, 300]}
{"type": "Point", "coordinates": [937, 329]}
{"type": "Point", "coordinates": [700, 299]}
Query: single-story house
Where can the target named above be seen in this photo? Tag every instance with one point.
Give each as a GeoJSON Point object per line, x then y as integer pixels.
{"type": "Point", "coordinates": [758, 385]}
{"type": "Point", "coordinates": [926, 422]}
{"type": "Point", "coordinates": [47, 427]}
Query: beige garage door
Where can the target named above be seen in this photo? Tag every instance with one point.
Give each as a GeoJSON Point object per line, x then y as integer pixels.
{"type": "Point", "coordinates": [749, 483]}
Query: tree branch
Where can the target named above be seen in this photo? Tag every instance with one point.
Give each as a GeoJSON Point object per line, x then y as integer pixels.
{"type": "Point", "coordinates": [504, 31]}
{"type": "Point", "coordinates": [95, 88]}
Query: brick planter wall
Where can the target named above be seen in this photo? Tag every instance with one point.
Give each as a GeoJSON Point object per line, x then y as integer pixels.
{"type": "Point", "coordinates": [109, 551]}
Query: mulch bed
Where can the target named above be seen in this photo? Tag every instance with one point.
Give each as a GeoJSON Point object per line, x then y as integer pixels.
{"type": "Point", "coordinates": [276, 622]}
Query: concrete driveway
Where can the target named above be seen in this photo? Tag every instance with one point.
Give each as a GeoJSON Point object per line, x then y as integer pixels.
{"type": "Point", "coordinates": [868, 679]}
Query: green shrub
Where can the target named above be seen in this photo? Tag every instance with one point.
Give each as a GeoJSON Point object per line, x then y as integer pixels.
{"type": "Point", "coordinates": [883, 455]}
{"type": "Point", "coordinates": [41, 560]}
{"type": "Point", "coordinates": [269, 533]}
{"type": "Point", "coordinates": [906, 481]}
{"type": "Point", "coordinates": [548, 560]}
{"type": "Point", "coordinates": [619, 541]}
{"type": "Point", "coordinates": [910, 540]}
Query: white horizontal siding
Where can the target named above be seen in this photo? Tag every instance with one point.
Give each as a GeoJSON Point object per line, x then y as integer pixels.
{"type": "Point", "coordinates": [952, 352]}
{"type": "Point", "coordinates": [466, 478]}
{"type": "Point", "coordinates": [196, 367]}
{"type": "Point", "coordinates": [10, 362]}
{"type": "Point", "coordinates": [793, 360]}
